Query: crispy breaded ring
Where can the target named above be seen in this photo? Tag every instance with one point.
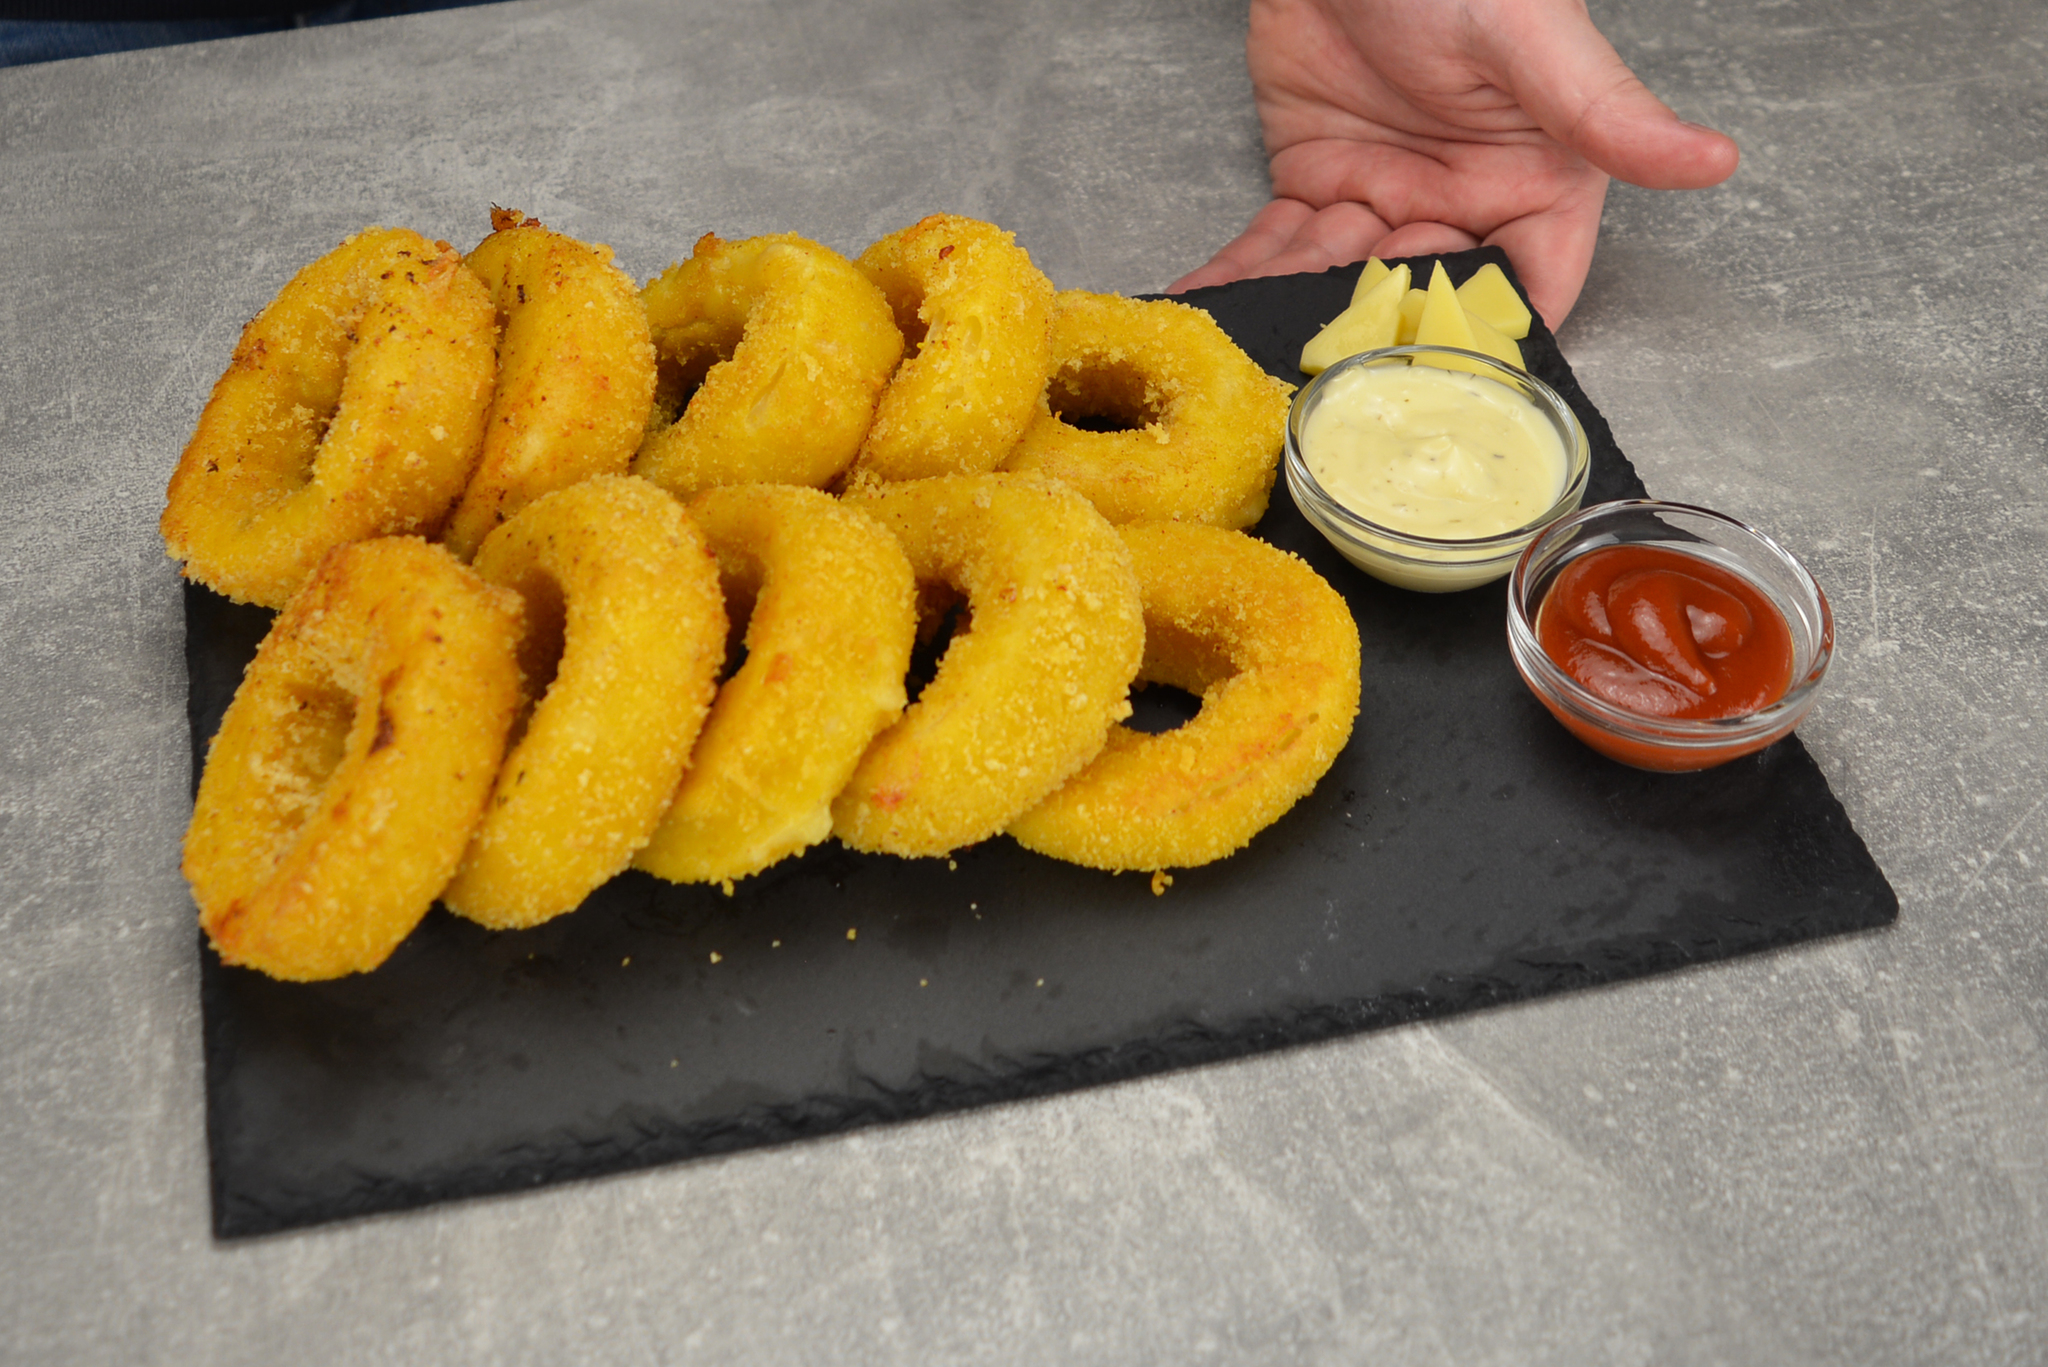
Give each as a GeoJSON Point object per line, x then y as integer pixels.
{"type": "Point", "coordinates": [626, 628]}
{"type": "Point", "coordinates": [828, 643]}
{"type": "Point", "coordinates": [791, 345]}
{"type": "Point", "coordinates": [1273, 653]}
{"type": "Point", "coordinates": [1025, 695]}
{"type": "Point", "coordinates": [575, 372]}
{"type": "Point", "coordinates": [353, 761]}
{"type": "Point", "coordinates": [979, 315]}
{"type": "Point", "coordinates": [353, 407]}
{"type": "Point", "coordinates": [1204, 422]}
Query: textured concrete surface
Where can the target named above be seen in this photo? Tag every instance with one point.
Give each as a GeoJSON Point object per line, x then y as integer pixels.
{"type": "Point", "coordinates": [1835, 1154]}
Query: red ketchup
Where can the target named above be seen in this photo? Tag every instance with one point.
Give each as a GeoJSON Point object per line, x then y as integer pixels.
{"type": "Point", "coordinates": [1666, 634]}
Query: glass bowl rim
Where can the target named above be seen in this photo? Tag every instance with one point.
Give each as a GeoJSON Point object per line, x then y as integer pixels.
{"type": "Point", "coordinates": [1578, 461]}
{"type": "Point", "coordinates": [1678, 733]}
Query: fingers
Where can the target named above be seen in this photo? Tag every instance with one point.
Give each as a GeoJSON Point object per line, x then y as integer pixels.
{"type": "Point", "coordinates": [1269, 232]}
{"type": "Point", "coordinates": [1573, 83]}
{"type": "Point", "coordinates": [1288, 236]}
{"type": "Point", "coordinates": [1552, 251]}
{"type": "Point", "coordinates": [1423, 239]}
{"type": "Point", "coordinates": [1333, 236]}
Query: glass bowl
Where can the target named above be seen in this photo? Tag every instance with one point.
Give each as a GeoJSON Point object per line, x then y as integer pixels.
{"type": "Point", "coordinates": [1429, 564]}
{"type": "Point", "coordinates": [1668, 744]}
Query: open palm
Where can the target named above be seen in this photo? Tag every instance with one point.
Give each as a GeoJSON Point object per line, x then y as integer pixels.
{"type": "Point", "coordinates": [1410, 127]}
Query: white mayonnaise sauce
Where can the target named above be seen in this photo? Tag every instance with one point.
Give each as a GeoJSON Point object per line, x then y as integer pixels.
{"type": "Point", "coordinates": [1436, 453]}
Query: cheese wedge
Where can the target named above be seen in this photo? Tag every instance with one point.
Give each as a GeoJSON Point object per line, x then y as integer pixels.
{"type": "Point", "coordinates": [1488, 295]}
{"type": "Point", "coordinates": [1371, 322]}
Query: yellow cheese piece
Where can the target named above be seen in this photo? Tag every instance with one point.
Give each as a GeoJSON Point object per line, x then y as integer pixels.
{"type": "Point", "coordinates": [1443, 317]}
{"type": "Point", "coordinates": [1375, 271]}
{"type": "Point", "coordinates": [1488, 295]}
{"type": "Point", "coordinates": [1494, 343]}
{"type": "Point", "coordinates": [1443, 323]}
{"type": "Point", "coordinates": [1411, 316]}
{"type": "Point", "coordinates": [1371, 322]}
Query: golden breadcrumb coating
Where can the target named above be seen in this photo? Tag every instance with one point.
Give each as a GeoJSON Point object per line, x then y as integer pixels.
{"type": "Point", "coordinates": [625, 634]}
{"type": "Point", "coordinates": [353, 408]}
{"type": "Point", "coordinates": [1026, 694]}
{"type": "Point", "coordinates": [979, 317]}
{"type": "Point", "coordinates": [575, 373]}
{"type": "Point", "coordinates": [1271, 650]}
{"type": "Point", "coordinates": [828, 640]}
{"type": "Point", "coordinates": [353, 761]}
{"type": "Point", "coordinates": [772, 353]}
{"type": "Point", "coordinates": [1201, 423]}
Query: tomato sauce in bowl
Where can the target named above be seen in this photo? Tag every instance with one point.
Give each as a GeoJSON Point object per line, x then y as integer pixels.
{"type": "Point", "coordinates": [1660, 632]}
{"type": "Point", "coordinates": [1667, 637]}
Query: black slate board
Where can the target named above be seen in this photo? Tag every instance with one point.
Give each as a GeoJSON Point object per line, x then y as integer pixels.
{"type": "Point", "coordinates": [1464, 851]}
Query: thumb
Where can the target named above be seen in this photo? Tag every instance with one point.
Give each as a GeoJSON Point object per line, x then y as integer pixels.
{"type": "Point", "coordinates": [1573, 83]}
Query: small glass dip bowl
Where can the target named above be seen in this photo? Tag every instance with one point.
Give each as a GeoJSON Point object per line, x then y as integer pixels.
{"type": "Point", "coordinates": [1669, 744]}
{"type": "Point", "coordinates": [1429, 564]}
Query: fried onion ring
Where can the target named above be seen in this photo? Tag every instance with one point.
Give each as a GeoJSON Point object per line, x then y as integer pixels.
{"type": "Point", "coordinates": [827, 646]}
{"type": "Point", "coordinates": [575, 372]}
{"type": "Point", "coordinates": [770, 356]}
{"type": "Point", "coordinates": [353, 761]}
{"type": "Point", "coordinates": [1024, 696]}
{"type": "Point", "coordinates": [979, 316]}
{"type": "Point", "coordinates": [353, 408]}
{"type": "Point", "coordinates": [1202, 424]}
{"type": "Point", "coordinates": [1271, 650]}
{"type": "Point", "coordinates": [626, 627]}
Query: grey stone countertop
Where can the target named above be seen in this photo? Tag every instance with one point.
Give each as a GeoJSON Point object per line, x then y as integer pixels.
{"type": "Point", "coordinates": [1836, 1153]}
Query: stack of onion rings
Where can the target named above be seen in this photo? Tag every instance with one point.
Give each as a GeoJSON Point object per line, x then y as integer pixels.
{"type": "Point", "coordinates": [353, 761]}
{"type": "Point", "coordinates": [353, 407]}
{"type": "Point", "coordinates": [772, 353]}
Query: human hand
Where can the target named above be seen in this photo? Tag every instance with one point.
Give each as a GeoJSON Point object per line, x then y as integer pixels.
{"type": "Point", "coordinates": [1413, 127]}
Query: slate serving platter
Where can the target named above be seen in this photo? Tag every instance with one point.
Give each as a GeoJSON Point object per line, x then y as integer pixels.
{"type": "Point", "coordinates": [1464, 851]}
